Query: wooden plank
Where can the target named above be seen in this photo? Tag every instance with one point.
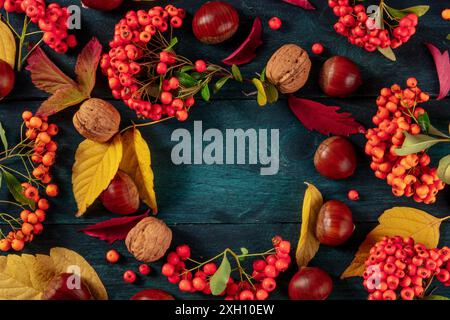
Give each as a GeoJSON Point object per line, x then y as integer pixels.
{"type": "Point", "coordinates": [206, 241]}
{"type": "Point", "coordinates": [300, 27]}
{"type": "Point", "coordinates": [237, 193]}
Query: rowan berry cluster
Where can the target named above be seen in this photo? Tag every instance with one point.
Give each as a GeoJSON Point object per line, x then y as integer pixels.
{"type": "Point", "coordinates": [361, 30]}
{"type": "Point", "coordinates": [51, 19]}
{"type": "Point", "coordinates": [398, 112]}
{"type": "Point", "coordinates": [39, 135]}
{"type": "Point", "coordinates": [256, 286]}
{"type": "Point", "coordinates": [131, 57]}
{"type": "Point", "coordinates": [397, 268]}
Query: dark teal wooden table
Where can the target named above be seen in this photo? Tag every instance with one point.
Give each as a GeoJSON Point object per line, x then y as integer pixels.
{"type": "Point", "coordinates": [214, 207]}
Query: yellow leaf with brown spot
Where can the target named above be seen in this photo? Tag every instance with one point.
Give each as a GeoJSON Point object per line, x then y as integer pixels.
{"type": "Point", "coordinates": [136, 162]}
{"type": "Point", "coordinates": [308, 244]}
{"type": "Point", "coordinates": [95, 166]}
{"type": "Point", "coordinates": [398, 221]}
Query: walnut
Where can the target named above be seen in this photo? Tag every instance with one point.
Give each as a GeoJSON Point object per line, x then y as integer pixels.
{"type": "Point", "coordinates": [97, 120]}
{"type": "Point", "coordinates": [149, 240]}
{"type": "Point", "coordinates": [288, 68]}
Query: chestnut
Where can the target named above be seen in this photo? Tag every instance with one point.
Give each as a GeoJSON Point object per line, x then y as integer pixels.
{"type": "Point", "coordinates": [67, 286]}
{"type": "Point", "coordinates": [334, 223]}
{"type": "Point", "coordinates": [339, 77]}
{"type": "Point", "coordinates": [310, 284]}
{"type": "Point", "coordinates": [121, 196]}
{"type": "Point", "coordinates": [335, 158]}
{"type": "Point", "coordinates": [152, 294]}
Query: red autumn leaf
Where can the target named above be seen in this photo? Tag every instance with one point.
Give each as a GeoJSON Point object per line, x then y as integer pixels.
{"type": "Point", "coordinates": [443, 69]}
{"type": "Point", "coordinates": [324, 119]}
{"type": "Point", "coordinates": [113, 229]}
{"type": "Point", "coordinates": [246, 51]}
{"type": "Point", "coordinates": [305, 4]}
{"type": "Point", "coordinates": [65, 97]}
{"type": "Point", "coordinates": [87, 63]}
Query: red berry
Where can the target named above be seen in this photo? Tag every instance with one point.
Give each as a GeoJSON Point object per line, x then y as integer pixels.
{"type": "Point", "coordinates": [269, 284]}
{"type": "Point", "coordinates": [284, 246]}
{"type": "Point", "coordinates": [275, 23]}
{"type": "Point", "coordinates": [282, 265]}
{"type": "Point", "coordinates": [161, 68]}
{"type": "Point", "coordinates": [407, 294]}
{"type": "Point", "coordinates": [112, 256]}
{"type": "Point", "coordinates": [270, 271]}
{"type": "Point", "coordinates": [199, 284]}
{"type": "Point", "coordinates": [183, 251]}
{"type": "Point", "coordinates": [261, 294]}
{"type": "Point", "coordinates": [259, 265]}
{"type": "Point", "coordinates": [144, 269]}
{"type": "Point", "coordinates": [129, 276]}
{"type": "Point", "coordinates": [353, 195]}
{"type": "Point", "coordinates": [200, 66]}
{"type": "Point", "coordinates": [166, 97]}
{"type": "Point", "coordinates": [210, 268]}
{"type": "Point", "coordinates": [173, 258]}
{"type": "Point", "coordinates": [168, 269]}
{"type": "Point", "coordinates": [185, 285]}
{"type": "Point", "coordinates": [317, 48]}
{"type": "Point", "coordinates": [246, 295]}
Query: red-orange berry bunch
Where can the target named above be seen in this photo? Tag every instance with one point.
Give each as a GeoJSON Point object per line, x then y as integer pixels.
{"type": "Point", "coordinates": [39, 135]}
{"type": "Point", "coordinates": [51, 19]}
{"type": "Point", "coordinates": [398, 112]}
{"type": "Point", "coordinates": [360, 29]}
{"type": "Point", "coordinates": [397, 268]}
{"type": "Point", "coordinates": [131, 57]}
{"type": "Point", "coordinates": [256, 286]}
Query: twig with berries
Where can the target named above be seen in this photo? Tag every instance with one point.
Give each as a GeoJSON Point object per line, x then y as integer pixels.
{"type": "Point", "coordinates": [36, 153]}
{"type": "Point", "coordinates": [208, 278]}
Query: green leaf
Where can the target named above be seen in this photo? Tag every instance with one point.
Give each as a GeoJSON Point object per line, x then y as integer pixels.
{"type": "Point", "coordinates": [3, 137]}
{"type": "Point", "coordinates": [416, 143]}
{"type": "Point", "coordinates": [186, 69]}
{"type": "Point", "coordinates": [424, 122]}
{"type": "Point", "coordinates": [435, 298]}
{"type": "Point", "coordinates": [186, 80]}
{"type": "Point", "coordinates": [244, 252]}
{"type": "Point", "coordinates": [172, 44]}
{"type": "Point", "coordinates": [196, 75]}
{"type": "Point", "coordinates": [443, 171]}
{"type": "Point", "coordinates": [398, 14]}
{"type": "Point", "coordinates": [448, 36]}
{"type": "Point", "coordinates": [219, 280]}
{"type": "Point", "coordinates": [236, 73]}
{"type": "Point", "coordinates": [271, 93]}
{"type": "Point", "coordinates": [262, 77]}
{"type": "Point", "coordinates": [435, 132]}
{"type": "Point", "coordinates": [262, 97]}
{"type": "Point", "coordinates": [15, 188]}
{"type": "Point", "coordinates": [388, 53]}
{"type": "Point", "coordinates": [206, 94]}
{"type": "Point", "coordinates": [220, 83]}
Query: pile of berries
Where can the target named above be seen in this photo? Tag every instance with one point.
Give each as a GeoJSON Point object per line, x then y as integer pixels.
{"type": "Point", "coordinates": [397, 268]}
{"type": "Point", "coordinates": [361, 30]}
{"type": "Point", "coordinates": [410, 175]}
{"type": "Point", "coordinates": [51, 19]}
{"type": "Point", "coordinates": [129, 60]}
{"type": "Point", "coordinates": [255, 287]}
{"type": "Point", "coordinates": [40, 134]}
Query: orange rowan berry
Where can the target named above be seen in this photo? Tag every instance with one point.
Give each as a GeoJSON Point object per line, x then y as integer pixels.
{"type": "Point", "coordinates": [376, 120]}
{"type": "Point", "coordinates": [48, 160]}
{"type": "Point", "coordinates": [5, 245]}
{"type": "Point", "coordinates": [380, 175]}
{"type": "Point", "coordinates": [397, 141]}
{"type": "Point", "coordinates": [385, 92]}
{"type": "Point", "coordinates": [35, 122]}
{"type": "Point", "coordinates": [385, 167]}
{"type": "Point", "coordinates": [439, 184]}
{"type": "Point", "coordinates": [422, 191]}
{"type": "Point", "coordinates": [19, 235]}
{"type": "Point", "coordinates": [411, 82]}
{"type": "Point", "coordinates": [418, 112]}
{"type": "Point", "coordinates": [33, 218]}
{"type": "Point", "coordinates": [17, 244]}
{"type": "Point", "coordinates": [398, 183]}
{"type": "Point", "coordinates": [381, 101]}
{"type": "Point", "coordinates": [38, 172]}
{"type": "Point", "coordinates": [43, 127]}
{"type": "Point", "coordinates": [398, 170]}
{"type": "Point", "coordinates": [53, 129]}
{"type": "Point", "coordinates": [46, 178]}
{"type": "Point", "coordinates": [36, 158]}
{"type": "Point", "coordinates": [398, 192]}
{"type": "Point", "coordinates": [31, 134]}
{"type": "Point", "coordinates": [383, 113]}
{"type": "Point", "coordinates": [430, 199]}
{"type": "Point", "coordinates": [410, 179]}
{"type": "Point", "coordinates": [374, 166]}
{"type": "Point", "coordinates": [423, 97]}
{"type": "Point", "coordinates": [392, 107]}
{"type": "Point", "coordinates": [378, 152]}
{"type": "Point", "coordinates": [368, 149]}
{"type": "Point", "coordinates": [112, 256]}
{"type": "Point", "coordinates": [44, 137]}
{"type": "Point", "coordinates": [396, 88]}
{"type": "Point", "coordinates": [40, 214]}
{"type": "Point", "coordinates": [353, 195]}
{"type": "Point", "coordinates": [412, 159]}
{"type": "Point", "coordinates": [394, 99]}
{"type": "Point", "coordinates": [27, 229]}
{"type": "Point", "coordinates": [52, 146]}
{"type": "Point", "coordinates": [26, 115]}
{"type": "Point", "coordinates": [43, 204]}
{"type": "Point", "coordinates": [408, 94]}
{"type": "Point", "coordinates": [52, 190]}
{"type": "Point", "coordinates": [405, 163]}
{"type": "Point", "coordinates": [409, 191]}
{"type": "Point", "coordinates": [415, 129]}
{"type": "Point", "coordinates": [427, 179]}
{"type": "Point", "coordinates": [403, 125]}
{"type": "Point", "coordinates": [24, 215]}
{"type": "Point", "coordinates": [38, 227]}
{"type": "Point", "coordinates": [446, 14]}
{"type": "Point", "coordinates": [30, 192]}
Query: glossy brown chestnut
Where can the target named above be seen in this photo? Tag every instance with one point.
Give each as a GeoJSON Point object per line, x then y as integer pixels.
{"type": "Point", "coordinates": [334, 223]}
{"type": "Point", "coordinates": [339, 77]}
{"type": "Point", "coordinates": [152, 294]}
{"type": "Point", "coordinates": [215, 22]}
{"type": "Point", "coordinates": [66, 286]}
{"type": "Point", "coordinates": [310, 284]}
{"type": "Point", "coordinates": [335, 158]}
{"type": "Point", "coordinates": [7, 78]}
{"type": "Point", "coordinates": [122, 196]}
{"type": "Point", "coordinates": [102, 5]}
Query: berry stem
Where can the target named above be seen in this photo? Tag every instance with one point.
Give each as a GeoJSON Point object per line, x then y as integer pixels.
{"type": "Point", "coordinates": [145, 124]}
{"type": "Point", "coordinates": [21, 42]}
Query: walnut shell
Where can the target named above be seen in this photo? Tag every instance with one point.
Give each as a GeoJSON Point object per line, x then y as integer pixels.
{"type": "Point", "coordinates": [149, 240]}
{"type": "Point", "coordinates": [97, 120]}
{"type": "Point", "coordinates": [288, 68]}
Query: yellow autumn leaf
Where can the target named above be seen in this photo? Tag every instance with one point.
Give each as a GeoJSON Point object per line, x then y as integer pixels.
{"type": "Point", "coordinates": [95, 166]}
{"type": "Point", "coordinates": [26, 277]}
{"type": "Point", "coordinates": [136, 162]}
{"type": "Point", "coordinates": [398, 221]}
{"type": "Point", "coordinates": [7, 45]}
{"type": "Point", "coordinates": [308, 244]}
{"type": "Point", "coordinates": [65, 260]}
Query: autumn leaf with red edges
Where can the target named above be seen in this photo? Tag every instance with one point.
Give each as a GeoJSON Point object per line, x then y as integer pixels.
{"type": "Point", "coordinates": [113, 229]}
{"type": "Point", "coordinates": [65, 91]}
{"type": "Point", "coordinates": [442, 63]}
{"type": "Point", "coordinates": [305, 4]}
{"type": "Point", "coordinates": [324, 119]}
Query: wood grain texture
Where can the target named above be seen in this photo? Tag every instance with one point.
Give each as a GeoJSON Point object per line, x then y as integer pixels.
{"type": "Point", "coordinates": [212, 207]}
